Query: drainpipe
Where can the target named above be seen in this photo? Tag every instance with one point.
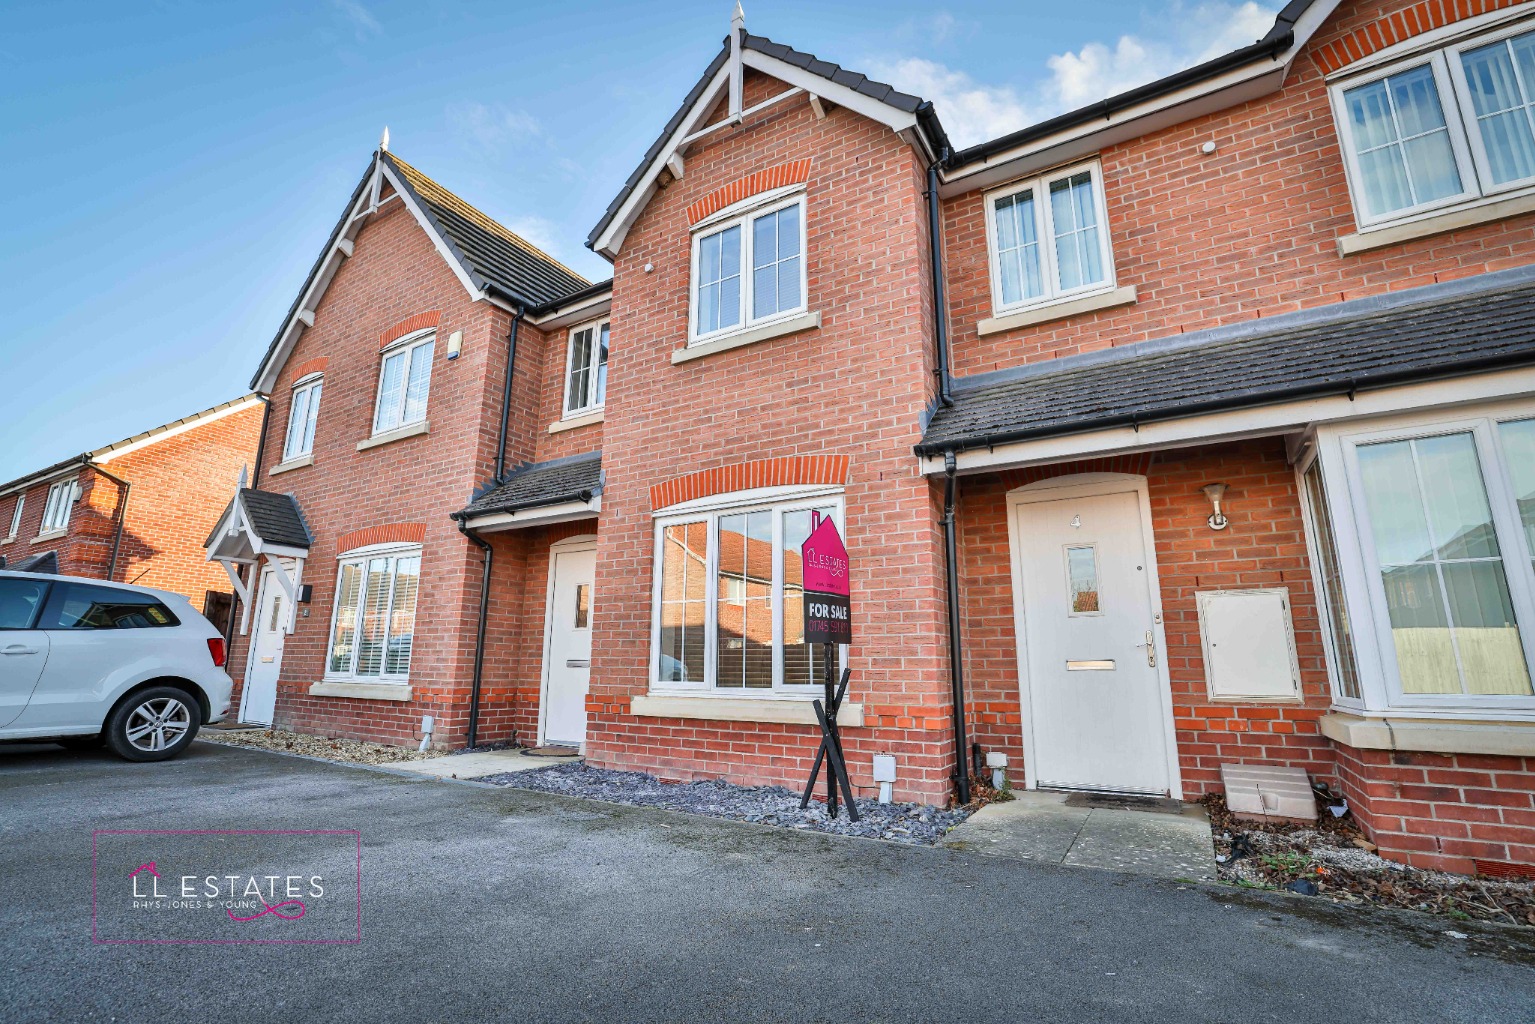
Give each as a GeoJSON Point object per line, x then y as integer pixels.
{"type": "Point", "coordinates": [956, 659]}
{"type": "Point", "coordinates": [940, 302]}
{"type": "Point", "coordinates": [506, 400]}
{"type": "Point", "coordinates": [266, 417]}
{"type": "Point", "coordinates": [124, 489]}
{"type": "Point", "coordinates": [479, 633]}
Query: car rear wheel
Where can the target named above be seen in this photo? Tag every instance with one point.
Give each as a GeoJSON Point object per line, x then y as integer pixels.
{"type": "Point", "coordinates": [153, 725]}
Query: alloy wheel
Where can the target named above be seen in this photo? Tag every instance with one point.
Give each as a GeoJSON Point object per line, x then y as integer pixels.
{"type": "Point", "coordinates": [158, 723]}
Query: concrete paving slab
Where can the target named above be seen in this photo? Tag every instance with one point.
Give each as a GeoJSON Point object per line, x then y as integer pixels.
{"type": "Point", "coordinates": [479, 764]}
{"type": "Point", "coordinates": [1042, 826]}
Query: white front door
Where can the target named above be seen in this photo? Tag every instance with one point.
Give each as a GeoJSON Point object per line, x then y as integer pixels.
{"type": "Point", "coordinates": [1098, 718]}
{"type": "Point", "coordinates": [259, 702]}
{"type": "Point", "coordinates": [568, 654]}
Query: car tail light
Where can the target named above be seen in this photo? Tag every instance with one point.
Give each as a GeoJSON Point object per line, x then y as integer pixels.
{"type": "Point", "coordinates": [217, 649]}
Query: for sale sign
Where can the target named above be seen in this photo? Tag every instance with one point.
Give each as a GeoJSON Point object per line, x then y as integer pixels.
{"type": "Point", "coordinates": [828, 612]}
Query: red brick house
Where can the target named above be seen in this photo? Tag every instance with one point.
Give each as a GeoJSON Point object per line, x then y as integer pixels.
{"type": "Point", "coordinates": [136, 510]}
{"type": "Point", "coordinates": [1206, 438]}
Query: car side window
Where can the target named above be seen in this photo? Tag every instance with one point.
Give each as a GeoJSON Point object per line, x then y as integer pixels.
{"type": "Point", "coordinates": [83, 606]}
{"type": "Point", "coordinates": [19, 601]}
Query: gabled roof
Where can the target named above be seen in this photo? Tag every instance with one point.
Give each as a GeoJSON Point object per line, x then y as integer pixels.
{"type": "Point", "coordinates": [269, 517]}
{"type": "Point", "coordinates": [574, 478]}
{"type": "Point", "coordinates": [490, 260]}
{"type": "Point", "coordinates": [1447, 330]}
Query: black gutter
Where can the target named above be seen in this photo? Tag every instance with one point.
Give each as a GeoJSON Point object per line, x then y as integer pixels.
{"type": "Point", "coordinates": [956, 647]}
{"type": "Point", "coordinates": [556, 499]}
{"type": "Point", "coordinates": [940, 300]}
{"type": "Point", "coordinates": [506, 395]}
{"type": "Point", "coordinates": [1247, 400]}
{"type": "Point", "coordinates": [479, 633]}
{"type": "Point", "coordinates": [125, 488]}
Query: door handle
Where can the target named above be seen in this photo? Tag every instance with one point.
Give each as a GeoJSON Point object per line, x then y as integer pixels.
{"type": "Point", "coordinates": [1151, 648]}
{"type": "Point", "coordinates": [20, 649]}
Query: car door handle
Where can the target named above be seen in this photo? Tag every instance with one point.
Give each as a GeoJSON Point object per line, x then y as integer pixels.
{"type": "Point", "coordinates": [20, 649]}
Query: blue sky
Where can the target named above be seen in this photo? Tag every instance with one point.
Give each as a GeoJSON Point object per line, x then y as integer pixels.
{"type": "Point", "coordinates": [170, 169]}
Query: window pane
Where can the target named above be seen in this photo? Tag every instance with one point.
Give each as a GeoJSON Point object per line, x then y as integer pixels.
{"type": "Point", "coordinates": [684, 564]}
{"type": "Point", "coordinates": [1419, 630]}
{"type": "Point", "coordinates": [719, 280]}
{"type": "Point", "coordinates": [402, 615]}
{"type": "Point", "coordinates": [1018, 248]}
{"type": "Point", "coordinates": [1074, 216]}
{"type": "Point", "coordinates": [390, 386]}
{"type": "Point", "coordinates": [1519, 456]}
{"type": "Point", "coordinates": [21, 503]}
{"type": "Point", "coordinates": [1500, 98]}
{"type": "Point", "coordinates": [576, 396]}
{"type": "Point", "coordinates": [419, 383]}
{"type": "Point", "coordinates": [583, 606]}
{"type": "Point", "coordinates": [347, 591]}
{"type": "Point", "coordinates": [83, 606]}
{"type": "Point", "coordinates": [1333, 607]}
{"type": "Point", "coordinates": [744, 608]}
{"type": "Point", "coordinates": [802, 662]}
{"type": "Point", "coordinates": [1401, 142]}
{"type": "Point", "coordinates": [1082, 576]}
{"type": "Point", "coordinates": [298, 421]}
{"type": "Point", "coordinates": [314, 416]}
{"type": "Point", "coordinates": [375, 608]}
{"type": "Point", "coordinates": [775, 262]}
{"type": "Point", "coordinates": [276, 620]}
{"type": "Point", "coordinates": [600, 391]}
{"type": "Point", "coordinates": [18, 602]}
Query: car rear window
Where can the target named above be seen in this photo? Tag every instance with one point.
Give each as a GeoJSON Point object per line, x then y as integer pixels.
{"type": "Point", "coordinates": [19, 600]}
{"type": "Point", "coordinates": [82, 606]}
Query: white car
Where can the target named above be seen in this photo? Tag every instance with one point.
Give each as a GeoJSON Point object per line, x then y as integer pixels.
{"type": "Point", "coordinates": [84, 662]}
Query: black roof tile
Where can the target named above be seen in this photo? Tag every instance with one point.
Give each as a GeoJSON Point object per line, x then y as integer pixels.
{"type": "Point", "coordinates": [275, 518]}
{"type": "Point", "coordinates": [574, 478]}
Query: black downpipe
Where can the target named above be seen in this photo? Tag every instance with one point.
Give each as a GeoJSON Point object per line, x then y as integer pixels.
{"type": "Point", "coordinates": [956, 654]}
{"type": "Point", "coordinates": [266, 417]}
{"type": "Point", "coordinates": [125, 489]}
{"type": "Point", "coordinates": [479, 633]}
{"type": "Point", "coordinates": [940, 302]}
{"type": "Point", "coordinates": [506, 401]}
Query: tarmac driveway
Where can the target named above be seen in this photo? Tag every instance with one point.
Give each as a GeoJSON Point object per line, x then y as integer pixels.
{"type": "Point", "coordinates": [497, 904]}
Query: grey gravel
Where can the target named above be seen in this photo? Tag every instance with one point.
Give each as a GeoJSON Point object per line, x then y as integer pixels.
{"type": "Point", "coordinates": [917, 824]}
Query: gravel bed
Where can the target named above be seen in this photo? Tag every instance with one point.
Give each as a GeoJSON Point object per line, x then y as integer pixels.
{"type": "Point", "coordinates": [342, 751]}
{"type": "Point", "coordinates": [916, 824]}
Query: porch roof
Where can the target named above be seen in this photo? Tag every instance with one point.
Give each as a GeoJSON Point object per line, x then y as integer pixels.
{"type": "Point", "coordinates": [535, 484]}
{"type": "Point", "coordinates": [272, 518]}
{"type": "Point", "coordinates": [1438, 331]}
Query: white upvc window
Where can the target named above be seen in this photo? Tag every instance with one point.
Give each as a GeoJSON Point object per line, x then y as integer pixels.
{"type": "Point", "coordinates": [748, 267]}
{"type": "Point", "coordinates": [586, 369]}
{"type": "Point", "coordinates": [1423, 546]}
{"type": "Point", "coordinates": [403, 382]}
{"type": "Point", "coordinates": [1440, 129]}
{"type": "Point", "coordinates": [303, 412]}
{"type": "Point", "coordinates": [728, 615]}
{"type": "Point", "coordinates": [373, 623]}
{"type": "Point", "coordinates": [61, 501]}
{"type": "Point", "coordinates": [21, 503]}
{"type": "Point", "coordinates": [1049, 239]}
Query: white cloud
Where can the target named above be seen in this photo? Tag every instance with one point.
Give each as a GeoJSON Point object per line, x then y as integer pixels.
{"type": "Point", "coordinates": [493, 128]}
{"type": "Point", "coordinates": [359, 17]}
{"type": "Point", "coordinates": [975, 111]}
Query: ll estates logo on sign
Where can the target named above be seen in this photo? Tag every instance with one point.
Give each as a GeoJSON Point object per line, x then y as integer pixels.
{"type": "Point", "coordinates": [824, 564]}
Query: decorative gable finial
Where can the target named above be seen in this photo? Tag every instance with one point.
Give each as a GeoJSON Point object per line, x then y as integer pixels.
{"type": "Point", "coordinates": [383, 142]}
{"type": "Point", "coordinates": [243, 477]}
{"type": "Point", "coordinates": [738, 17]}
{"type": "Point", "coordinates": [737, 30]}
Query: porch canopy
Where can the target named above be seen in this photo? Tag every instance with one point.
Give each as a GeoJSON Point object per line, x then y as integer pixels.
{"type": "Point", "coordinates": [1468, 339]}
{"type": "Point", "coordinates": [262, 527]}
{"type": "Point", "coordinates": [537, 494]}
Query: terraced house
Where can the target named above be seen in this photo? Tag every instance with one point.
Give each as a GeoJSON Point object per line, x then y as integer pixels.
{"type": "Point", "coordinates": [1189, 429]}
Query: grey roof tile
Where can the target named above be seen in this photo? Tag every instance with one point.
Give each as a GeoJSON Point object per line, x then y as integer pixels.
{"type": "Point", "coordinates": [540, 483]}
{"type": "Point", "coordinates": [275, 518]}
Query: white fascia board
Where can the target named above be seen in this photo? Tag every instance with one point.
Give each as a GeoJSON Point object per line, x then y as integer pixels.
{"type": "Point", "coordinates": [27, 483]}
{"type": "Point", "coordinates": [1261, 421]}
{"type": "Point", "coordinates": [841, 95]}
{"type": "Point", "coordinates": [105, 455]}
{"type": "Point", "coordinates": [541, 516]}
{"type": "Point", "coordinates": [447, 253]}
{"type": "Point", "coordinates": [593, 308]}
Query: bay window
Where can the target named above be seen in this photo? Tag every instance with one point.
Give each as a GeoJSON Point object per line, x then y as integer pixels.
{"type": "Point", "coordinates": [403, 382]}
{"type": "Point", "coordinates": [374, 620]}
{"type": "Point", "coordinates": [729, 598]}
{"type": "Point", "coordinates": [1048, 239]}
{"type": "Point", "coordinates": [303, 413]}
{"type": "Point", "coordinates": [748, 269]}
{"type": "Point", "coordinates": [586, 369]}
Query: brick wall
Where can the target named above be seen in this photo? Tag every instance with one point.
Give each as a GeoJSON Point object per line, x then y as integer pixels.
{"type": "Point", "coordinates": [1248, 231]}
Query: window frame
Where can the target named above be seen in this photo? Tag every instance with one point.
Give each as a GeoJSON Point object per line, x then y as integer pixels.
{"type": "Point", "coordinates": [1454, 54]}
{"type": "Point", "coordinates": [21, 503]}
{"type": "Point", "coordinates": [743, 215]}
{"type": "Point", "coordinates": [360, 557]}
{"type": "Point", "coordinates": [50, 523]}
{"type": "Point", "coordinates": [776, 500]}
{"type": "Point", "coordinates": [313, 385]}
{"type": "Point", "coordinates": [407, 345]}
{"type": "Point", "coordinates": [596, 327]}
{"type": "Point", "coordinates": [1039, 185]}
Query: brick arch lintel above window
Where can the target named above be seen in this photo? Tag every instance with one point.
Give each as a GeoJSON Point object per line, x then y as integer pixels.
{"type": "Point", "coordinates": [419, 322]}
{"type": "Point", "coordinates": [309, 367]}
{"type": "Point", "coordinates": [792, 173]}
{"type": "Point", "coordinates": [1138, 464]}
{"type": "Point", "coordinates": [1400, 25]}
{"type": "Point", "coordinates": [742, 476]}
{"type": "Point", "coordinates": [389, 533]}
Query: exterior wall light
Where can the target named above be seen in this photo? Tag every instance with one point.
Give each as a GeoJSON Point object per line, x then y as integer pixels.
{"type": "Point", "coordinates": [1215, 492]}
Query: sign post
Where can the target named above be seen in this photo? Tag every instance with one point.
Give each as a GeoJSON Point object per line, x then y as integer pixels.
{"type": "Point", "coordinates": [828, 622]}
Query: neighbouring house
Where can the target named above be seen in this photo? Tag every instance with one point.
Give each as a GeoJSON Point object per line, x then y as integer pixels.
{"type": "Point", "coordinates": [137, 511]}
{"type": "Point", "coordinates": [1195, 427]}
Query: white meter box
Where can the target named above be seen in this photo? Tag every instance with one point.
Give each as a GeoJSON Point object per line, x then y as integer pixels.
{"type": "Point", "coordinates": [1249, 644]}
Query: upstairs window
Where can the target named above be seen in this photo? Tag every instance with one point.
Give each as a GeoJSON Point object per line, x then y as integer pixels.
{"type": "Point", "coordinates": [586, 369]}
{"type": "Point", "coordinates": [749, 269]}
{"type": "Point", "coordinates": [21, 503]}
{"type": "Point", "coordinates": [1049, 239]}
{"type": "Point", "coordinates": [61, 499]}
{"type": "Point", "coordinates": [1448, 128]}
{"type": "Point", "coordinates": [403, 382]}
{"type": "Point", "coordinates": [303, 411]}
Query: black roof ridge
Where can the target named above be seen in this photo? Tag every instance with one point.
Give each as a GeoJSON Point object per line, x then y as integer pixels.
{"type": "Point", "coordinates": [1361, 308]}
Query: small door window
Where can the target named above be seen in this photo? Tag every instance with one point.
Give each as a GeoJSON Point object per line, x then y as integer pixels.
{"type": "Point", "coordinates": [583, 605]}
{"type": "Point", "coordinates": [276, 613]}
{"type": "Point", "coordinates": [1082, 579]}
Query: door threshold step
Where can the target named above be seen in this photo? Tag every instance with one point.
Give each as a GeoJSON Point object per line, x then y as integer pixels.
{"type": "Point", "coordinates": [552, 750]}
{"type": "Point", "coordinates": [1124, 802]}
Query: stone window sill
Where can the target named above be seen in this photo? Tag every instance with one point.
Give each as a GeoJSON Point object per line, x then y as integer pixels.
{"type": "Point", "coordinates": [1432, 735]}
{"type": "Point", "coordinates": [361, 691]}
{"type": "Point", "coordinates": [585, 420]}
{"type": "Point", "coordinates": [292, 464]}
{"type": "Point", "coordinates": [793, 325]}
{"type": "Point", "coordinates": [1451, 220]}
{"type": "Point", "coordinates": [1057, 311]}
{"type": "Point", "coordinates": [783, 711]}
{"type": "Point", "coordinates": [44, 538]}
{"type": "Point", "coordinates": [388, 436]}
